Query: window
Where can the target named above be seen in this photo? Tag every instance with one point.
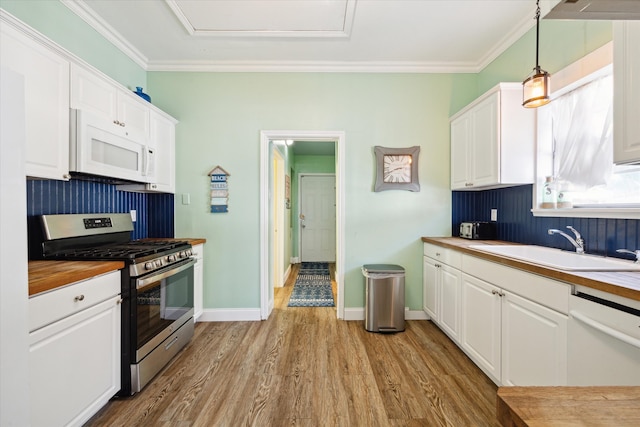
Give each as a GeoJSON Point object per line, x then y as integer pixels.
{"type": "Point", "coordinates": [575, 148]}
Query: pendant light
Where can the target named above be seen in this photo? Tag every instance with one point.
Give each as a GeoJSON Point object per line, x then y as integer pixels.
{"type": "Point", "coordinates": [535, 89]}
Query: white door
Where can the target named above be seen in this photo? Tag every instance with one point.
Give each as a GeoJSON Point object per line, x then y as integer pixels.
{"type": "Point", "coordinates": [317, 217]}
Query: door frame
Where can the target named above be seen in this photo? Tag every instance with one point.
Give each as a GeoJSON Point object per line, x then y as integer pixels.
{"type": "Point", "coordinates": [300, 205]}
{"type": "Point", "coordinates": [337, 137]}
{"type": "Point", "coordinates": [278, 224]}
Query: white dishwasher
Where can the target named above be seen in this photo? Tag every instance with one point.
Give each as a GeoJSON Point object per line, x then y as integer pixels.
{"type": "Point", "coordinates": [603, 339]}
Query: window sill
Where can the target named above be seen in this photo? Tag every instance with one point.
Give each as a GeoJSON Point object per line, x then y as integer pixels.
{"type": "Point", "coordinates": [616, 213]}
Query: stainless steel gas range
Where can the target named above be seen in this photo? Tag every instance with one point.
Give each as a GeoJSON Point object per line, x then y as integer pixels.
{"type": "Point", "coordinates": [157, 285]}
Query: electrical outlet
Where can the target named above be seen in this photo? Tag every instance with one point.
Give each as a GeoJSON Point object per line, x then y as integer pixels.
{"type": "Point", "coordinates": [494, 214]}
{"type": "Point", "coordinates": [134, 215]}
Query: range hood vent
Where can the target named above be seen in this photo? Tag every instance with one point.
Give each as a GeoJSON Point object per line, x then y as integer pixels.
{"type": "Point", "coordinates": [596, 9]}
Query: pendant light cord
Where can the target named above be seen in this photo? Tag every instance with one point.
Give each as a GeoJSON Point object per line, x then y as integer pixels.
{"type": "Point", "coordinates": [537, 34]}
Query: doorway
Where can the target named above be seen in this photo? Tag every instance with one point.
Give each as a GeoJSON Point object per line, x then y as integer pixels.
{"type": "Point", "coordinates": [266, 213]}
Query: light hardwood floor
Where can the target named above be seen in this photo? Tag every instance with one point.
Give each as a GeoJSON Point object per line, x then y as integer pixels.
{"type": "Point", "coordinates": [304, 367]}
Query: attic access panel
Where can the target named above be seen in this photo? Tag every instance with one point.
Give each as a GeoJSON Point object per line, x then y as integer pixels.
{"type": "Point", "coordinates": [277, 18]}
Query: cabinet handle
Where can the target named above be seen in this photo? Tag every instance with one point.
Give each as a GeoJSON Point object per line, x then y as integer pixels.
{"type": "Point", "coordinates": [116, 122]}
{"type": "Point", "coordinates": [119, 301]}
{"type": "Point", "coordinates": [497, 292]}
{"type": "Point", "coordinates": [79, 298]}
{"type": "Point", "coordinates": [122, 124]}
{"type": "Point", "coordinates": [66, 176]}
{"type": "Point", "coordinates": [468, 184]}
{"type": "Point", "coordinates": [437, 253]}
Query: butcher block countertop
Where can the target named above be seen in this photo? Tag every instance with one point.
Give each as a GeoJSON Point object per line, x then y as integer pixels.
{"type": "Point", "coordinates": [622, 283]}
{"type": "Point", "coordinates": [48, 275]}
{"type": "Point", "coordinates": [568, 406]}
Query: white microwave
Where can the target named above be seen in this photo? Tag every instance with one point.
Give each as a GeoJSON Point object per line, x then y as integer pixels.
{"type": "Point", "coordinates": [103, 148]}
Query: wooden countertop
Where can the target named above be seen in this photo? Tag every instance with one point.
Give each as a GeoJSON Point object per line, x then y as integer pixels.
{"type": "Point", "coordinates": [48, 275]}
{"type": "Point", "coordinates": [622, 283]}
{"type": "Point", "coordinates": [568, 406]}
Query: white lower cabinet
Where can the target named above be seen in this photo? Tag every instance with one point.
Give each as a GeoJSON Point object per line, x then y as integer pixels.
{"type": "Point", "coordinates": [515, 341]}
{"type": "Point", "coordinates": [74, 361]}
{"type": "Point", "coordinates": [441, 288]}
{"type": "Point", "coordinates": [198, 279]}
{"type": "Point", "coordinates": [481, 323]}
{"type": "Point", "coordinates": [511, 323]}
{"type": "Point", "coordinates": [534, 343]}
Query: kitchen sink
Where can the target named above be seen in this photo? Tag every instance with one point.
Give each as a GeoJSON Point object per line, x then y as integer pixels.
{"type": "Point", "coordinates": [559, 259]}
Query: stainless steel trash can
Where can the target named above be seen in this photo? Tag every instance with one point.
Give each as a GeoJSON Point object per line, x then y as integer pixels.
{"type": "Point", "coordinates": [384, 304]}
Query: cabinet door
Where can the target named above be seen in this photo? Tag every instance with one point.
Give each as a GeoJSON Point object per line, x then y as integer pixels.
{"type": "Point", "coordinates": [534, 344]}
{"type": "Point", "coordinates": [163, 142]}
{"type": "Point", "coordinates": [430, 291]}
{"type": "Point", "coordinates": [74, 365]}
{"type": "Point", "coordinates": [90, 92]}
{"type": "Point", "coordinates": [450, 301]}
{"type": "Point", "coordinates": [626, 92]}
{"type": "Point", "coordinates": [46, 86]}
{"type": "Point", "coordinates": [485, 150]}
{"type": "Point", "coordinates": [198, 281]}
{"type": "Point", "coordinates": [481, 318]}
{"type": "Point", "coordinates": [460, 146]}
{"type": "Point", "coordinates": [134, 114]}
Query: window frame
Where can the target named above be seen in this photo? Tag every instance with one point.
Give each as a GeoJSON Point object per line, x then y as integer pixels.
{"type": "Point", "coordinates": [584, 70]}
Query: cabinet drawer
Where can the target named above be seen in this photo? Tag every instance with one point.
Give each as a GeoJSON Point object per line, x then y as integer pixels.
{"type": "Point", "coordinates": [544, 291]}
{"type": "Point", "coordinates": [62, 302]}
{"type": "Point", "coordinates": [444, 255]}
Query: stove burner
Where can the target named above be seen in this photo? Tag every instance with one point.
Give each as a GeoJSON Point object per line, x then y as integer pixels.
{"type": "Point", "coordinates": [130, 250]}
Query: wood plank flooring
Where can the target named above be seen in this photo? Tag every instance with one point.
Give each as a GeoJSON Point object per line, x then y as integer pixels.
{"type": "Point", "coordinates": [304, 367]}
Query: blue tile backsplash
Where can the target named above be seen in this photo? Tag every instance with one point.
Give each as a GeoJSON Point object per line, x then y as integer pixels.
{"type": "Point", "coordinates": [154, 210]}
{"type": "Point", "coordinates": [517, 224]}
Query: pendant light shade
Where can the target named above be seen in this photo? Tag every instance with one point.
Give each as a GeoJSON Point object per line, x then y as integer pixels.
{"type": "Point", "coordinates": [536, 87]}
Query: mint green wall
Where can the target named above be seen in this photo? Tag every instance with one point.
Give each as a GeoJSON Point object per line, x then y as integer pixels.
{"type": "Point", "coordinates": [221, 115]}
{"type": "Point", "coordinates": [57, 22]}
{"type": "Point", "coordinates": [305, 164]}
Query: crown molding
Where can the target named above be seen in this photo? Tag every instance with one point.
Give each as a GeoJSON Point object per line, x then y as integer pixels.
{"type": "Point", "coordinates": [80, 8]}
{"type": "Point", "coordinates": [311, 67]}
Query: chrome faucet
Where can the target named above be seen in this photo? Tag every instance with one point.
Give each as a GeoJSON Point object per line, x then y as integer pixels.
{"type": "Point", "coordinates": [627, 251]}
{"type": "Point", "coordinates": [578, 243]}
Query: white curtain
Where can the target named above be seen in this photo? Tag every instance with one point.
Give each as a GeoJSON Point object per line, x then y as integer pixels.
{"type": "Point", "coordinates": [582, 130]}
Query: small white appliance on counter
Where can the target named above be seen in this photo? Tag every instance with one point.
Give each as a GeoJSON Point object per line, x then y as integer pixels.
{"type": "Point", "coordinates": [103, 148]}
{"type": "Point", "coordinates": [478, 230]}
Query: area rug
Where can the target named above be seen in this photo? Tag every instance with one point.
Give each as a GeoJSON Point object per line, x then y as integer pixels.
{"type": "Point", "coordinates": [312, 287]}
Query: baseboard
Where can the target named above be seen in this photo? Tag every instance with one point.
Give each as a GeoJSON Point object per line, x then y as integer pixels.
{"type": "Point", "coordinates": [286, 277]}
{"type": "Point", "coordinates": [229, 315]}
{"type": "Point", "coordinates": [357, 313]}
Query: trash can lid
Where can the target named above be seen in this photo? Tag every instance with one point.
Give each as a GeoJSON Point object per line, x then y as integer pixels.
{"type": "Point", "coordinates": [382, 268]}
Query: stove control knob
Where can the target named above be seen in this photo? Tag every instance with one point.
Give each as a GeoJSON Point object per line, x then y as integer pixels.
{"type": "Point", "coordinates": [182, 254]}
{"type": "Point", "coordinates": [189, 252]}
{"type": "Point", "coordinates": [148, 265]}
{"type": "Point", "coordinates": [158, 263]}
{"type": "Point", "coordinates": [171, 258]}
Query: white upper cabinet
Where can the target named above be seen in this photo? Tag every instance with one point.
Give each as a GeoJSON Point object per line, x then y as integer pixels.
{"type": "Point", "coordinates": [90, 92]}
{"type": "Point", "coordinates": [163, 141]}
{"type": "Point", "coordinates": [492, 141]}
{"type": "Point", "coordinates": [46, 85]}
{"type": "Point", "coordinates": [626, 92]}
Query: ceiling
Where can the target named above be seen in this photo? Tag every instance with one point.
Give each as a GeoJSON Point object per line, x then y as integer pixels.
{"type": "Point", "coordinates": [310, 35]}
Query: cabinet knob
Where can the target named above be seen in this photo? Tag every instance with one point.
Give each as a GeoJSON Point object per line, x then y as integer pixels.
{"type": "Point", "coordinates": [79, 298]}
{"type": "Point", "coordinates": [437, 253]}
{"type": "Point", "coordinates": [119, 301]}
{"type": "Point", "coordinates": [66, 176]}
{"type": "Point", "coordinates": [468, 184]}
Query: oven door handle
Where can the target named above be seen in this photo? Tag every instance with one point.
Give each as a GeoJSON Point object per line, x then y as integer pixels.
{"type": "Point", "coordinates": [163, 274]}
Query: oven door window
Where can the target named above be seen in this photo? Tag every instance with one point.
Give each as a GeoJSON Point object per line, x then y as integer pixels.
{"type": "Point", "coordinates": [161, 303]}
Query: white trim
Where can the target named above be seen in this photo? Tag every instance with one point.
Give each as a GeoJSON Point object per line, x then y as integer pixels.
{"type": "Point", "coordinates": [613, 213]}
{"type": "Point", "coordinates": [338, 137]}
{"type": "Point", "coordinates": [84, 12]}
{"type": "Point", "coordinates": [229, 315]}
